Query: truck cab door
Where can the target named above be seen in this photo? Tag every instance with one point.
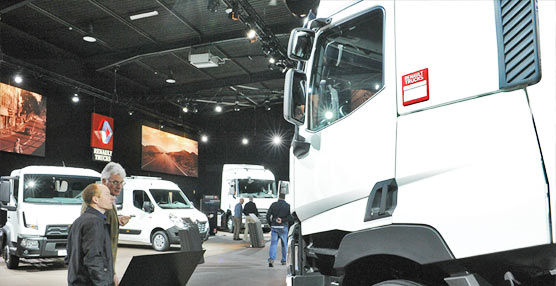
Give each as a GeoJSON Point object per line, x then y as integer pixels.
{"type": "Point", "coordinates": [139, 226]}
{"type": "Point", "coordinates": [350, 121]}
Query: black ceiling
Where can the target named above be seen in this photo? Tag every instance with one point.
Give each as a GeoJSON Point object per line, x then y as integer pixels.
{"type": "Point", "coordinates": [137, 56]}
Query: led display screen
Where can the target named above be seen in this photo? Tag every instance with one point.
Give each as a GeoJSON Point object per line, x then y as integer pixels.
{"type": "Point", "coordinates": [168, 153]}
{"type": "Point", "coordinates": [22, 121]}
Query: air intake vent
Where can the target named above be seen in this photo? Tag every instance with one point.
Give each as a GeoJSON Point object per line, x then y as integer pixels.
{"type": "Point", "coordinates": [518, 51]}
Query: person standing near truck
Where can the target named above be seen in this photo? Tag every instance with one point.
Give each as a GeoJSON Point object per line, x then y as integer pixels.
{"type": "Point", "coordinates": [112, 176]}
{"type": "Point", "coordinates": [250, 208]}
{"type": "Point", "coordinates": [279, 217]}
{"type": "Point", "coordinates": [238, 210]}
{"type": "Point", "coordinates": [89, 249]}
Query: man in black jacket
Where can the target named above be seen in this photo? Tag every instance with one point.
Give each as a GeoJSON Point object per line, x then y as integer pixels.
{"type": "Point", "coordinates": [249, 208]}
{"type": "Point", "coordinates": [89, 255]}
{"type": "Point", "coordinates": [278, 216]}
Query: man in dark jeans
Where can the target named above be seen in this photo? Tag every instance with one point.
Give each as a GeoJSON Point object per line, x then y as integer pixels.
{"type": "Point", "coordinates": [278, 216]}
{"type": "Point", "coordinates": [89, 249]}
{"type": "Point", "coordinates": [250, 208]}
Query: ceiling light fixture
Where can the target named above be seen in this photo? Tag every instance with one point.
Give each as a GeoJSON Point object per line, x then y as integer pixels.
{"type": "Point", "coordinates": [218, 108]}
{"type": "Point", "coordinates": [244, 141]}
{"type": "Point", "coordinates": [236, 107]}
{"type": "Point", "coordinates": [18, 78]}
{"type": "Point", "coordinates": [276, 140]}
{"type": "Point", "coordinates": [143, 15]}
{"type": "Point", "coordinates": [272, 60]}
{"type": "Point", "coordinates": [204, 138]}
{"type": "Point", "coordinates": [171, 78]}
{"type": "Point", "coordinates": [251, 34]}
{"type": "Point", "coordinates": [89, 36]}
{"type": "Point", "coordinates": [75, 98]}
{"type": "Point", "coordinates": [185, 109]}
{"type": "Point", "coordinates": [205, 60]}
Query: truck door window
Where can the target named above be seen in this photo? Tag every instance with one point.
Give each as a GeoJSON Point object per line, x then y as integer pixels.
{"type": "Point", "coordinates": [347, 69]}
{"type": "Point", "coordinates": [139, 199]}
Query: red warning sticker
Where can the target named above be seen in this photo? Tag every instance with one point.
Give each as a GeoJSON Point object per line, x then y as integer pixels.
{"type": "Point", "coordinates": [415, 87]}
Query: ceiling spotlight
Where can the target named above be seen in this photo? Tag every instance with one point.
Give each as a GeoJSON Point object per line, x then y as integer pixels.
{"type": "Point", "coordinates": [244, 141]}
{"type": "Point", "coordinates": [272, 60]}
{"type": "Point", "coordinates": [18, 79]}
{"type": "Point", "coordinates": [161, 126]}
{"type": "Point", "coordinates": [236, 107]}
{"type": "Point", "coordinates": [276, 140]}
{"type": "Point", "coordinates": [204, 138]}
{"type": "Point", "coordinates": [130, 112]}
{"type": "Point", "coordinates": [194, 109]}
{"type": "Point", "coordinates": [185, 109]}
{"type": "Point", "coordinates": [75, 98]}
{"type": "Point", "coordinates": [218, 108]}
{"type": "Point", "coordinates": [251, 34]}
{"type": "Point", "coordinates": [171, 78]}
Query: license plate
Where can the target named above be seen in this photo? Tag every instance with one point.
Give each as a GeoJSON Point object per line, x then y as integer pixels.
{"type": "Point", "coordinates": [62, 252]}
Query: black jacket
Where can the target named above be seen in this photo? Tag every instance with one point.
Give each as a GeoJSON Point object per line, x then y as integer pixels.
{"type": "Point", "coordinates": [89, 255]}
{"type": "Point", "coordinates": [250, 208]}
{"type": "Point", "coordinates": [279, 209]}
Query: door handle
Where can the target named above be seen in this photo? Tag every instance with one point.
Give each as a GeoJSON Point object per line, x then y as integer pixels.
{"type": "Point", "coordinates": [382, 200]}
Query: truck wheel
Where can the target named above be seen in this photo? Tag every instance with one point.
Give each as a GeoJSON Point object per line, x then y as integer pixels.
{"type": "Point", "coordinates": [230, 224]}
{"type": "Point", "coordinates": [12, 261]}
{"type": "Point", "coordinates": [398, 283]}
{"type": "Point", "coordinates": [160, 241]}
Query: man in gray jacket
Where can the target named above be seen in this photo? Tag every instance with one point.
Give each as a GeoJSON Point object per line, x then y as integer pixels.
{"type": "Point", "coordinates": [89, 255]}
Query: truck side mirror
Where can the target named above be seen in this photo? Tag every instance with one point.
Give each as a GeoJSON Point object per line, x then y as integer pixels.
{"type": "Point", "coordinates": [284, 187]}
{"type": "Point", "coordinates": [294, 97]}
{"type": "Point", "coordinates": [301, 44]}
{"type": "Point", "coordinates": [148, 207]}
{"type": "Point", "coordinates": [5, 192]}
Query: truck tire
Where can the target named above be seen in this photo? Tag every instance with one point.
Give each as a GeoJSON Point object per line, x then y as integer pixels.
{"type": "Point", "coordinates": [230, 224]}
{"type": "Point", "coordinates": [160, 241]}
{"type": "Point", "coordinates": [398, 283]}
{"type": "Point", "coordinates": [12, 261]}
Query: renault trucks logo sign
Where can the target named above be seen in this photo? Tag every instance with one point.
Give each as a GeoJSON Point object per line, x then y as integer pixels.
{"type": "Point", "coordinates": [415, 87]}
{"type": "Point", "coordinates": [102, 132]}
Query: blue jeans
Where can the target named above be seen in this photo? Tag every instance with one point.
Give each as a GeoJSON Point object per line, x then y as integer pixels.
{"type": "Point", "coordinates": [276, 233]}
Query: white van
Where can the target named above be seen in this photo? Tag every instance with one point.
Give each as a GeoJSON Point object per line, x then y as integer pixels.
{"type": "Point", "coordinates": [158, 209]}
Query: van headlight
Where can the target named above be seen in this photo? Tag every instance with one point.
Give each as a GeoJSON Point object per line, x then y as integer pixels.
{"type": "Point", "coordinates": [30, 243]}
{"type": "Point", "coordinates": [177, 221]}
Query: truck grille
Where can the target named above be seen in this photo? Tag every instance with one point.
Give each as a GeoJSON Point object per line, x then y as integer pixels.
{"type": "Point", "coordinates": [57, 231]}
{"type": "Point", "coordinates": [262, 216]}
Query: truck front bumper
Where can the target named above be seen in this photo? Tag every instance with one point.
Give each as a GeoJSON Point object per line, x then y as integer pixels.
{"type": "Point", "coordinates": [40, 247]}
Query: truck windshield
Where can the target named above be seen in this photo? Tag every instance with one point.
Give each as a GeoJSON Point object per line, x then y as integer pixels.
{"type": "Point", "coordinates": [171, 199]}
{"type": "Point", "coordinates": [347, 68]}
{"type": "Point", "coordinates": [55, 189]}
{"type": "Point", "coordinates": [257, 188]}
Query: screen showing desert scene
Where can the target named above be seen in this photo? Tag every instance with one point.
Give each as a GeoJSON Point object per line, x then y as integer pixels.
{"type": "Point", "coordinates": [168, 153]}
{"type": "Point", "coordinates": [22, 121]}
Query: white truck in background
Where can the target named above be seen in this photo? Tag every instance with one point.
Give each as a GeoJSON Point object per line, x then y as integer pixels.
{"type": "Point", "coordinates": [41, 202]}
{"type": "Point", "coordinates": [425, 143]}
{"type": "Point", "coordinates": [244, 181]}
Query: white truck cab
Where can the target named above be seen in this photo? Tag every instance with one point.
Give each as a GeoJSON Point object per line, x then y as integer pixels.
{"type": "Point", "coordinates": [424, 147]}
{"type": "Point", "coordinates": [158, 210]}
{"type": "Point", "coordinates": [41, 202]}
{"type": "Point", "coordinates": [244, 181]}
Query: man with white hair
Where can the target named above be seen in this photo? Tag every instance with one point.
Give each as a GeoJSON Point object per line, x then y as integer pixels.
{"type": "Point", "coordinates": [113, 176]}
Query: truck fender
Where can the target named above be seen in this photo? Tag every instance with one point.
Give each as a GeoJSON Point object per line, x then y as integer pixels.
{"type": "Point", "coordinates": [419, 243]}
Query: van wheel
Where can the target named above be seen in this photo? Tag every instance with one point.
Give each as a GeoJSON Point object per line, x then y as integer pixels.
{"type": "Point", "coordinates": [230, 224]}
{"type": "Point", "coordinates": [398, 283]}
{"type": "Point", "coordinates": [160, 241]}
{"type": "Point", "coordinates": [12, 261]}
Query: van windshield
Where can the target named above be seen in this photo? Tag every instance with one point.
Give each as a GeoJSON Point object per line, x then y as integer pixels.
{"type": "Point", "coordinates": [55, 189]}
{"type": "Point", "coordinates": [257, 188]}
{"type": "Point", "coordinates": [171, 199]}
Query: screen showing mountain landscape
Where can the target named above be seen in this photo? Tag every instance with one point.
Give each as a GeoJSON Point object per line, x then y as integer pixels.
{"type": "Point", "coordinates": [22, 121]}
{"type": "Point", "coordinates": [168, 153]}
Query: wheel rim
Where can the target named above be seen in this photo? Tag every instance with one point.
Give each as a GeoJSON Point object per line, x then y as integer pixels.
{"type": "Point", "coordinates": [159, 241]}
{"type": "Point", "coordinates": [230, 224]}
